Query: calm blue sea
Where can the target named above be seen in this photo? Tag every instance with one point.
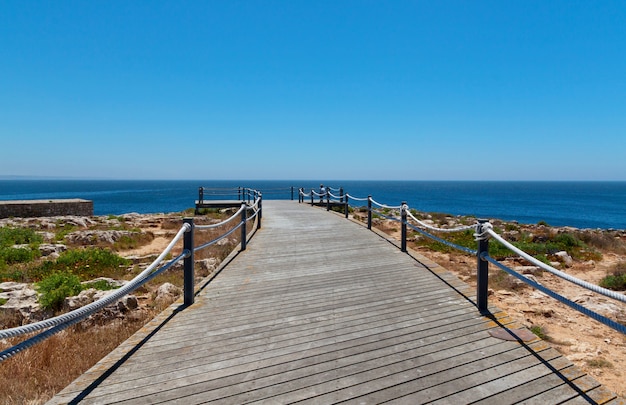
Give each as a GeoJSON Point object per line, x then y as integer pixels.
{"type": "Point", "coordinates": [578, 204]}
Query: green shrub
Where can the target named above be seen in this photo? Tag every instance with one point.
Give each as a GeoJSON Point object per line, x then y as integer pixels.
{"type": "Point", "coordinates": [102, 285]}
{"type": "Point", "coordinates": [63, 230]}
{"type": "Point", "coordinates": [56, 287]}
{"type": "Point", "coordinates": [88, 263]}
{"type": "Point", "coordinates": [540, 332]}
{"type": "Point", "coordinates": [11, 255]}
{"type": "Point", "coordinates": [19, 236]}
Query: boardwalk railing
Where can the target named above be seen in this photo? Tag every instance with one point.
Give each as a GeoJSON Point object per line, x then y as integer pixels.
{"type": "Point", "coordinates": [238, 221]}
{"type": "Point", "coordinates": [208, 194]}
{"type": "Point", "coordinates": [483, 232]}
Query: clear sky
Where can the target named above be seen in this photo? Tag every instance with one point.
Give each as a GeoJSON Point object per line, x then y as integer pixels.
{"type": "Point", "coordinates": [393, 90]}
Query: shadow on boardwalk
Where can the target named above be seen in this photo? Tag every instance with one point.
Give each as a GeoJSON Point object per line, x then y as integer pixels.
{"type": "Point", "coordinates": [320, 310]}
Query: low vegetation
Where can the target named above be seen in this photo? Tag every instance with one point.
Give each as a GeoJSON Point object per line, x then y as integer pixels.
{"type": "Point", "coordinates": [616, 280]}
{"type": "Point", "coordinates": [56, 287]}
{"type": "Point", "coordinates": [36, 374]}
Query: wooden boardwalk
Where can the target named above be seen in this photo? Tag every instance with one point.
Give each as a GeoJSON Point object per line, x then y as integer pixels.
{"type": "Point", "coordinates": [320, 310]}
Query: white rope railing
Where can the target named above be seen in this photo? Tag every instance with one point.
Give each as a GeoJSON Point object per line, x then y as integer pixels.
{"type": "Point", "coordinates": [592, 287]}
{"type": "Point", "coordinates": [337, 197]}
{"type": "Point", "coordinates": [212, 226]}
{"type": "Point", "coordinates": [386, 206]}
{"type": "Point", "coordinates": [97, 305]}
{"type": "Point", "coordinates": [357, 198]}
{"type": "Point", "coordinates": [437, 229]}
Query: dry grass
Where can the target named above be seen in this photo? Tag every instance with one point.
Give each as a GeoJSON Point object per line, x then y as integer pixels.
{"type": "Point", "coordinates": [35, 375]}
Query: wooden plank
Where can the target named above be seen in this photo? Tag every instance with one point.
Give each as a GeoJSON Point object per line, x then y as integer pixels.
{"type": "Point", "coordinates": [319, 309]}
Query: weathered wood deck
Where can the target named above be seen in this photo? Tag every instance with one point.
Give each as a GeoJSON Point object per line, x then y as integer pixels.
{"type": "Point", "coordinates": [320, 310]}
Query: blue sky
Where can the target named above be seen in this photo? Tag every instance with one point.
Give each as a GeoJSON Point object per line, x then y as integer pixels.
{"type": "Point", "coordinates": [415, 90]}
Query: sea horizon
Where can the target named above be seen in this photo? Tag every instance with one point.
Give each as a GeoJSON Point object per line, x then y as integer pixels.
{"type": "Point", "coordinates": [576, 203]}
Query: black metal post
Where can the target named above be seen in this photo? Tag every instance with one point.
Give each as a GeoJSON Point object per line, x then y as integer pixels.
{"type": "Point", "coordinates": [369, 212]}
{"type": "Point", "coordinates": [346, 207]}
{"type": "Point", "coordinates": [239, 193]}
{"type": "Point", "coordinates": [244, 220]}
{"type": "Point", "coordinates": [312, 202]}
{"type": "Point", "coordinates": [482, 276]}
{"type": "Point", "coordinates": [328, 199]}
{"type": "Point", "coordinates": [188, 275]}
{"type": "Point", "coordinates": [291, 193]}
{"type": "Point", "coordinates": [403, 217]}
{"type": "Point", "coordinates": [200, 194]}
{"type": "Point", "coordinates": [260, 211]}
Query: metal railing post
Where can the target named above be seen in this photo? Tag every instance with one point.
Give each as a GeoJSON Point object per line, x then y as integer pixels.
{"type": "Point", "coordinates": [346, 207]}
{"type": "Point", "coordinates": [312, 202]}
{"type": "Point", "coordinates": [482, 270]}
{"type": "Point", "coordinates": [369, 212]}
{"type": "Point", "coordinates": [244, 220]}
{"type": "Point", "coordinates": [328, 199]}
{"type": "Point", "coordinates": [403, 218]}
{"type": "Point", "coordinates": [260, 211]}
{"type": "Point", "coordinates": [188, 277]}
{"type": "Point", "coordinates": [239, 193]}
{"type": "Point", "coordinates": [291, 193]}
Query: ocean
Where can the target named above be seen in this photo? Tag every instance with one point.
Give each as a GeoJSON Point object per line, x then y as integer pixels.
{"type": "Point", "coordinates": [577, 204]}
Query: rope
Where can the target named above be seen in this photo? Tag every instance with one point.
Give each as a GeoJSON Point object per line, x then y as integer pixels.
{"type": "Point", "coordinates": [594, 315]}
{"type": "Point", "coordinates": [219, 238]}
{"type": "Point", "coordinates": [223, 222]}
{"type": "Point", "coordinates": [338, 197]}
{"type": "Point", "coordinates": [95, 306]}
{"type": "Point", "coordinates": [433, 228]}
{"type": "Point", "coordinates": [357, 199]}
{"type": "Point", "coordinates": [386, 206]}
{"type": "Point", "coordinates": [608, 293]}
{"type": "Point", "coordinates": [482, 231]}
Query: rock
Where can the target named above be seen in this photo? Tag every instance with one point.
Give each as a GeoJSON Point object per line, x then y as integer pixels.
{"type": "Point", "coordinates": [127, 303]}
{"type": "Point", "coordinates": [85, 297]}
{"type": "Point", "coordinates": [223, 242]}
{"type": "Point", "coordinates": [565, 258]}
{"type": "Point", "coordinates": [209, 264]}
{"type": "Point", "coordinates": [48, 249]}
{"type": "Point", "coordinates": [534, 270]}
{"type": "Point", "coordinates": [112, 282]}
{"type": "Point", "coordinates": [167, 291]}
{"type": "Point", "coordinates": [22, 302]}
{"type": "Point", "coordinates": [90, 237]}
{"type": "Point", "coordinates": [537, 295]}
